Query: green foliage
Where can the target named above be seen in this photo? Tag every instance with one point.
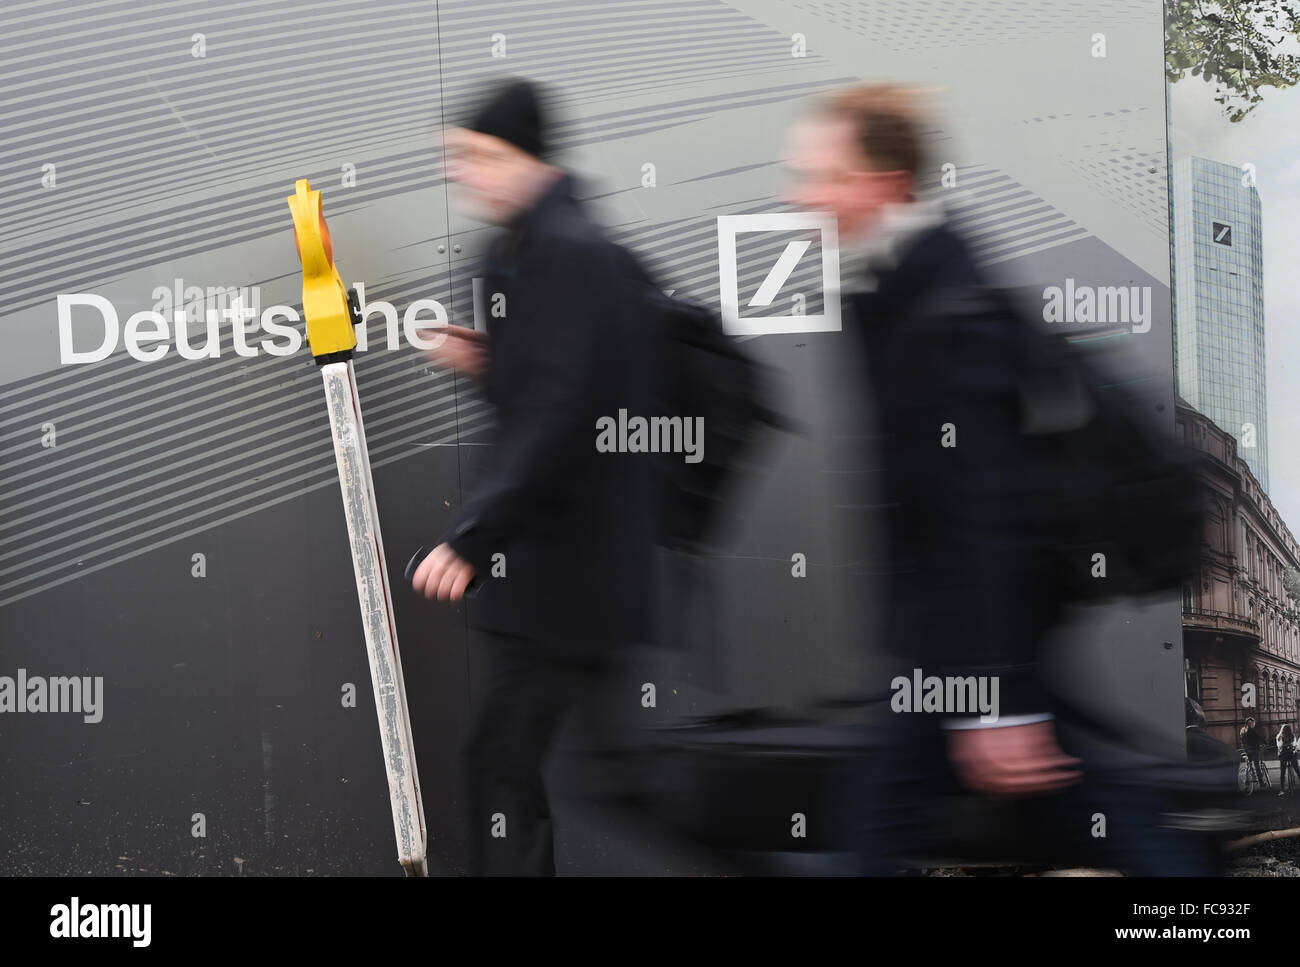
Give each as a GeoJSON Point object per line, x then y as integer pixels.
{"type": "Point", "coordinates": [1236, 45]}
{"type": "Point", "coordinates": [1291, 582]}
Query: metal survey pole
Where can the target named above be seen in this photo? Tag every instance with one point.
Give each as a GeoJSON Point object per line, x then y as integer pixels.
{"type": "Point", "coordinates": [331, 312]}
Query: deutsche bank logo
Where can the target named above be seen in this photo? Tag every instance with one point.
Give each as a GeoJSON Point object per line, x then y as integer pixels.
{"type": "Point", "coordinates": [828, 320]}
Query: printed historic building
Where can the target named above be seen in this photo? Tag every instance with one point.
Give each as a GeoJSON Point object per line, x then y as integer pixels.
{"type": "Point", "coordinates": [1240, 624]}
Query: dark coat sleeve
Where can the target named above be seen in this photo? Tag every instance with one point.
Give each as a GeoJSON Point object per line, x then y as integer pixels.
{"type": "Point", "coordinates": [550, 345]}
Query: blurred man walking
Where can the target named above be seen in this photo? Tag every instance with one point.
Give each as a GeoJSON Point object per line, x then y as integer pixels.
{"type": "Point", "coordinates": [970, 592]}
{"type": "Point", "coordinates": [573, 526]}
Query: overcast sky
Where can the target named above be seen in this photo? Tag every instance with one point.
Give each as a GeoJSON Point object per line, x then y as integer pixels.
{"type": "Point", "coordinates": [1269, 137]}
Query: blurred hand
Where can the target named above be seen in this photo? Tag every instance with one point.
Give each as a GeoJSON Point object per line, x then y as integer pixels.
{"type": "Point", "coordinates": [464, 350]}
{"type": "Point", "coordinates": [1011, 760]}
{"type": "Point", "coordinates": [443, 573]}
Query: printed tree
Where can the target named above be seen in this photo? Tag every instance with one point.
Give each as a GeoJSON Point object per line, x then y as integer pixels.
{"type": "Point", "coordinates": [1291, 582]}
{"type": "Point", "coordinates": [1236, 45]}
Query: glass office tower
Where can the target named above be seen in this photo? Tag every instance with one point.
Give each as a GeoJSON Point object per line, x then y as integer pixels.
{"type": "Point", "coordinates": [1219, 302]}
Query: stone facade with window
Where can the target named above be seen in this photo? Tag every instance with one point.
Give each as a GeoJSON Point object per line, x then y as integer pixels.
{"type": "Point", "coordinates": [1241, 626]}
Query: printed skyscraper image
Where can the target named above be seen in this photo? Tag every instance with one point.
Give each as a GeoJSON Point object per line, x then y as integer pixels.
{"type": "Point", "coordinates": [1219, 302]}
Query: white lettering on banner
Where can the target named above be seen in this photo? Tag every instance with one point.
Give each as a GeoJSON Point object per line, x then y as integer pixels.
{"type": "Point", "coordinates": [90, 330]}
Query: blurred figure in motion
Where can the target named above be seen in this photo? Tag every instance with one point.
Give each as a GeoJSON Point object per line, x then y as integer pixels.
{"type": "Point", "coordinates": [1286, 757]}
{"type": "Point", "coordinates": [970, 596]}
{"type": "Point", "coordinates": [554, 543]}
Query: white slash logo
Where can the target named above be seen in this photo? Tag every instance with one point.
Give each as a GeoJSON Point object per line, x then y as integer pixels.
{"type": "Point", "coordinates": [828, 320]}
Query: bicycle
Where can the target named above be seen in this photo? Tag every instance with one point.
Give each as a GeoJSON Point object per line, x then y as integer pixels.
{"type": "Point", "coordinates": [1247, 779]}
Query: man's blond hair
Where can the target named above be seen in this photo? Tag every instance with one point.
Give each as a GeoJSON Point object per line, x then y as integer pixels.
{"type": "Point", "coordinates": [888, 120]}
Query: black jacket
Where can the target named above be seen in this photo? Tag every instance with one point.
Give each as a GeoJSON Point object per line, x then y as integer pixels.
{"type": "Point", "coordinates": [575, 525]}
{"type": "Point", "coordinates": [966, 594]}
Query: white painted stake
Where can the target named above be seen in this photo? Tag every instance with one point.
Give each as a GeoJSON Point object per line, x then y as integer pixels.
{"type": "Point", "coordinates": [376, 613]}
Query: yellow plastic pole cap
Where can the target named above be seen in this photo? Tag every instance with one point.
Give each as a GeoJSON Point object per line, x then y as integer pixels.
{"type": "Point", "coordinates": [324, 297]}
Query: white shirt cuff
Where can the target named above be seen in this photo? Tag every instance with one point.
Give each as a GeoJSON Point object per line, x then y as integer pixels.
{"type": "Point", "coordinates": [1002, 722]}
